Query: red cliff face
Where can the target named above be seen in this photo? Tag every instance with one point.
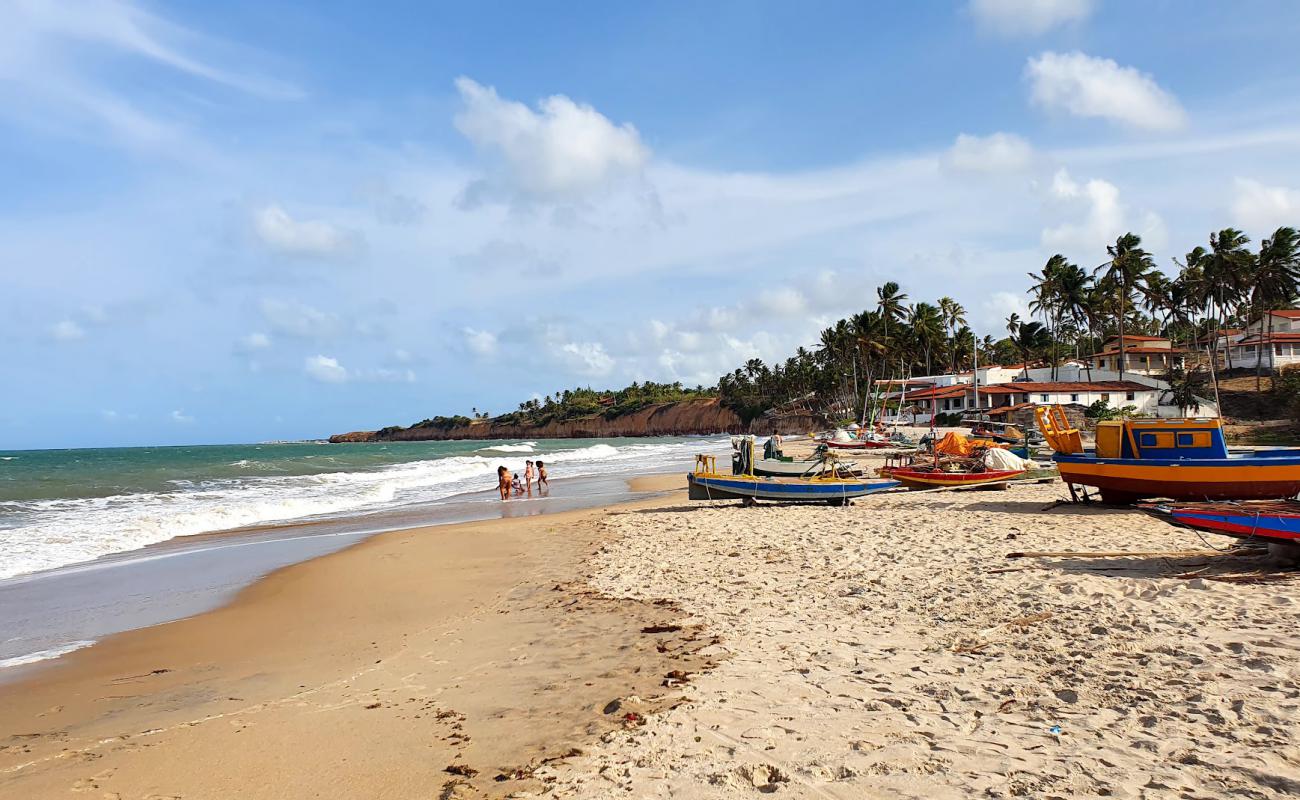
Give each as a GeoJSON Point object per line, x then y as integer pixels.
{"type": "Point", "coordinates": [686, 418]}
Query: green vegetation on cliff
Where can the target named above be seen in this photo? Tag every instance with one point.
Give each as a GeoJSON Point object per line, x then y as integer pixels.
{"type": "Point", "coordinates": [610, 403]}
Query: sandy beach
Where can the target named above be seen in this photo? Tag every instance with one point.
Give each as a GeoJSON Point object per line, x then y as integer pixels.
{"type": "Point", "coordinates": [891, 649]}
{"type": "Point", "coordinates": [366, 673]}
{"type": "Point", "coordinates": [672, 649]}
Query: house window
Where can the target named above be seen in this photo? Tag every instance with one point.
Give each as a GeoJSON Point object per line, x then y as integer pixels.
{"type": "Point", "coordinates": [1146, 359]}
{"type": "Point", "coordinates": [1129, 396]}
{"type": "Point", "coordinates": [1074, 398]}
{"type": "Point", "coordinates": [1105, 397]}
{"type": "Point", "coordinates": [1278, 349]}
{"type": "Point", "coordinates": [1042, 398]}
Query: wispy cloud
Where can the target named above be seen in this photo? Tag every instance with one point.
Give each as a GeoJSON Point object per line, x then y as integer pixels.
{"type": "Point", "coordinates": [1028, 17]}
{"type": "Point", "coordinates": [58, 62]}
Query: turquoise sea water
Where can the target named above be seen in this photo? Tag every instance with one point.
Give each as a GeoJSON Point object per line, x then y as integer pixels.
{"type": "Point", "coordinates": [60, 507]}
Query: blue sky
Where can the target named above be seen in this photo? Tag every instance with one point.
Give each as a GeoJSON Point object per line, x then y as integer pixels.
{"type": "Point", "coordinates": [243, 221]}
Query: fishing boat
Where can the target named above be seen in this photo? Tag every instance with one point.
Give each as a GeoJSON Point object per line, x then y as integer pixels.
{"type": "Point", "coordinates": [774, 464]}
{"type": "Point", "coordinates": [930, 476]}
{"type": "Point", "coordinates": [1267, 520]}
{"type": "Point", "coordinates": [859, 444]}
{"type": "Point", "coordinates": [706, 483]}
{"type": "Point", "coordinates": [1179, 459]}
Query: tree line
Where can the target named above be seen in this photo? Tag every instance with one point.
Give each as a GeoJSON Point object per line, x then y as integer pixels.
{"type": "Point", "coordinates": [1208, 290]}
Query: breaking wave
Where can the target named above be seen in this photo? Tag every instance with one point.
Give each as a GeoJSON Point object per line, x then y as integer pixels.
{"type": "Point", "coordinates": [43, 534]}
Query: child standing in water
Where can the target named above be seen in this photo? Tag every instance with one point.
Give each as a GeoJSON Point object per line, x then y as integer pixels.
{"type": "Point", "coordinates": [541, 476]}
{"type": "Point", "coordinates": [528, 476]}
{"type": "Point", "coordinates": [503, 482]}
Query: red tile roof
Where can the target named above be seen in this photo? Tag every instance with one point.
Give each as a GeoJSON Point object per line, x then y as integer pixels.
{"type": "Point", "coordinates": [1223, 334]}
{"type": "Point", "coordinates": [1079, 386]}
{"type": "Point", "coordinates": [1256, 338]}
{"type": "Point", "coordinates": [1136, 338]}
{"type": "Point", "coordinates": [1003, 410]}
{"type": "Point", "coordinates": [1030, 387]}
{"type": "Point", "coordinates": [1289, 313]}
{"type": "Point", "coordinates": [1142, 350]}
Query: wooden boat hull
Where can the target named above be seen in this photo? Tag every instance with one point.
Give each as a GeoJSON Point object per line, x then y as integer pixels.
{"type": "Point", "coordinates": [1271, 521]}
{"type": "Point", "coordinates": [921, 479]}
{"type": "Point", "coordinates": [1235, 478]}
{"type": "Point", "coordinates": [861, 444]}
{"type": "Point", "coordinates": [773, 468]}
{"type": "Point", "coordinates": [789, 490]}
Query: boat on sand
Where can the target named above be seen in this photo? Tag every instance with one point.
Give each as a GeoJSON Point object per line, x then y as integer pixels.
{"type": "Point", "coordinates": [1179, 459]}
{"type": "Point", "coordinates": [706, 483]}
{"type": "Point", "coordinates": [1267, 520]}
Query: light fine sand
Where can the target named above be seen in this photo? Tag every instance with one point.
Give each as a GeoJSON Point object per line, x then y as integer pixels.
{"type": "Point", "coordinates": [891, 649]}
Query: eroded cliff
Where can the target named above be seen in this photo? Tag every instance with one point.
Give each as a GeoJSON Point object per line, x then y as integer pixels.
{"type": "Point", "coordinates": [685, 418]}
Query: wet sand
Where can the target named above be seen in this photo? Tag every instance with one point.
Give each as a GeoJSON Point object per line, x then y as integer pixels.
{"type": "Point", "coordinates": [370, 672]}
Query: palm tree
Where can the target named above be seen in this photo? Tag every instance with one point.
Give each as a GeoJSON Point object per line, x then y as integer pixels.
{"type": "Point", "coordinates": [1276, 282]}
{"type": "Point", "coordinates": [1226, 269]}
{"type": "Point", "coordinates": [889, 300]}
{"type": "Point", "coordinates": [1129, 264]}
{"type": "Point", "coordinates": [926, 325]}
{"type": "Point", "coordinates": [1013, 323]}
{"type": "Point", "coordinates": [1031, 338]}
{"type": "Point", "coordinates": [1073, 295]}
{"type": "Point", "coordinates": [953, 315]}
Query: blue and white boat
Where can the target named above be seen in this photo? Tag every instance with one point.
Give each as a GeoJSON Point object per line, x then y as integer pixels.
{"type": "Point", "coordinates": [706, 483]}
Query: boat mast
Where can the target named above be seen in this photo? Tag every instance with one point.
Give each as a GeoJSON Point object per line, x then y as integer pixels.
{"type": "Point", "coordinates": [979, 410]}
{"type": "Point", "coordinates": [902, 400]}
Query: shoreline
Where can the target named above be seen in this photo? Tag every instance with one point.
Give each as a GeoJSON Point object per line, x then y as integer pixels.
{"type": "Point", "coordinates": [46, 614]}
{"type": "Point", "coordinates": [369, 670]}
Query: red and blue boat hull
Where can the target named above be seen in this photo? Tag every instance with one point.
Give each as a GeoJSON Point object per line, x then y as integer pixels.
{"type": "Point", "coordinates": [1275, 521]}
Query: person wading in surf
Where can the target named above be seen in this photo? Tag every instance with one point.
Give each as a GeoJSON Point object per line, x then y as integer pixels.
{"type": "Point", "coordinates": [503, 482]}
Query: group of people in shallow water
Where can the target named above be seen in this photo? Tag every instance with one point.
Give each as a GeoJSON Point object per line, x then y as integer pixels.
{"type": "Point", "coordinates": [509, 485]}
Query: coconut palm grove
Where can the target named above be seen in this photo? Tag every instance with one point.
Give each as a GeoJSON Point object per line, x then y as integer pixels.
{"type": "Point", "coordinates": [1192, 299]}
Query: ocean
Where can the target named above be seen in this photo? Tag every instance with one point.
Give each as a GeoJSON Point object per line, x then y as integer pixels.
{"type": "Point", "coordinates": [63, 507]}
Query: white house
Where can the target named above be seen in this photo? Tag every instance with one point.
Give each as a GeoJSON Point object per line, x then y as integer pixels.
{"type": "Point", "coordinates": [1256, 345]}
{"type": "Point", "coordinates": [1143, 355]}
{"type": "Point", "coordinates": [961, 397]}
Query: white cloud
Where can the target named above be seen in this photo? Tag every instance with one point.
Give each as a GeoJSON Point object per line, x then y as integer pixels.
{"type": "Point", "coordinates": [998, 152]}
{"type": "Point", "coordinates": [254, 341]}
{"type": "Point", "coordinates": [67, 331]}
{"type": "Point", "coordinates": [325, 369]}
{"type": "Point", "coordinates": [1028, 17]}
{"type": "Point", "coordinates": [309, 238]}
{"type": "Point", "coordinates": [1098, 87]}
{"type": "Point", "coordinates": [785, 301]}
{"type": "Point", "coordinates": [1103, 215]}
{"type": "Point", "coordinates": [558, 152]}
{"type": "Point", "coordinates": [298, 320]}
{"type": "Point", "coordinates": [1264, 209]}
{"type": "Point", "coordinates": [480, 343]}
{"type": "Point", "coordinates": [386, 375]}
{"type": "Point", "coordinates": [1000, 305]}
{"type": "Point", "coordinates": [587, 358]}
{"type": "Point", "coordinates": [181, 418]}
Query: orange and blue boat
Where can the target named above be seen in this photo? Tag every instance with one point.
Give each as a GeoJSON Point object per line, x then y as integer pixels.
{"type": "Point", "coordinates": [1179, 459]}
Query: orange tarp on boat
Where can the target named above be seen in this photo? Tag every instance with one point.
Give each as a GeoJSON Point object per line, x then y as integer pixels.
{"type": "Point", "coordinates": [954, 444]}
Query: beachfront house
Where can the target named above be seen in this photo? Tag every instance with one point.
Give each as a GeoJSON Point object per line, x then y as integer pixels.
{"type": "Point", "coordinates": [1152, 356]}
{"type": "Point", "coordinates": [997, 399]}
{"type": "Point", "coordinates": [1255, 345]}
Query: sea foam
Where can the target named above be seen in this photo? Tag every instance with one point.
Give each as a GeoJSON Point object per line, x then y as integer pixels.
{"type": "Point", "coordinates": [44, 534]}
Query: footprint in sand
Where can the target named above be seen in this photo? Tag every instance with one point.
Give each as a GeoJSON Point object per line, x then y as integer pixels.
{"type": "Point", "coordinates": [91, 784]}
